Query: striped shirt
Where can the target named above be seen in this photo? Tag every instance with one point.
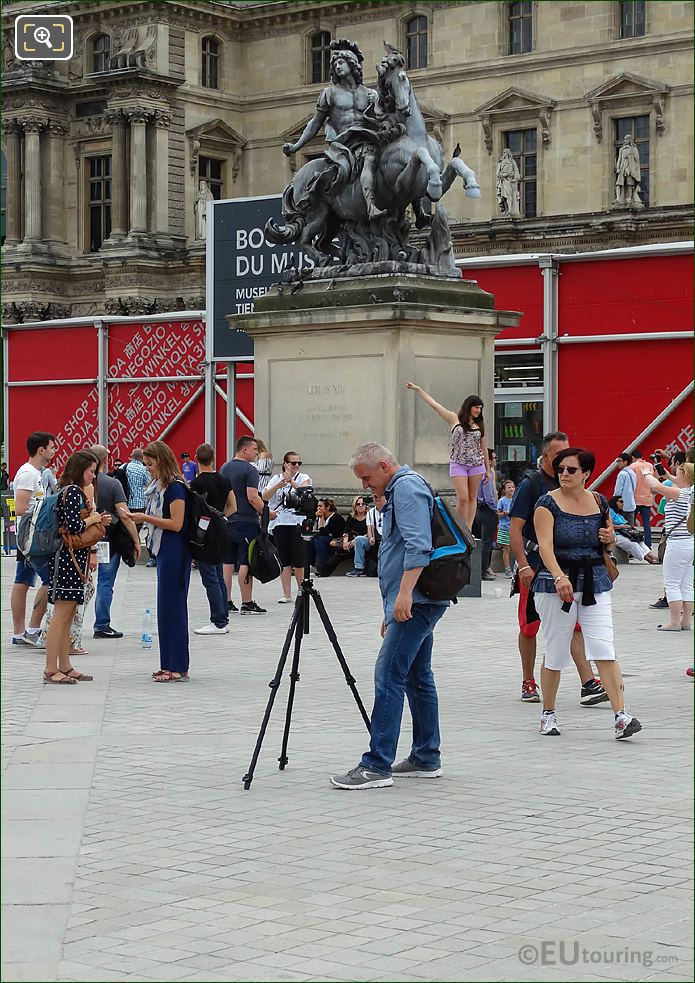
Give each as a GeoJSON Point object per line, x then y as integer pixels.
{"type": "Point", "coordinates": [677, 512]}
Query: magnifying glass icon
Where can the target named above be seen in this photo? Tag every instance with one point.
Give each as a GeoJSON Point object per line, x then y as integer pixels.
{"type": "Point", "coordinates": [43, 36]}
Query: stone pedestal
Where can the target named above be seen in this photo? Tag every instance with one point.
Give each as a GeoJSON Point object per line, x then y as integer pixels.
{"type": "Point", "coordinates": [332, 360]}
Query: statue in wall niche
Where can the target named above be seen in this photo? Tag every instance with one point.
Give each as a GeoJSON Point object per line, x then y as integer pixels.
{"type": "Point", "coordinates": [507, 184]}
{"type": "Point", "coordinates": [203, 196]}
{"type": "Point", "coordinates": [348, 207]}
{"type": "Point", "coordinates": [627, 170]}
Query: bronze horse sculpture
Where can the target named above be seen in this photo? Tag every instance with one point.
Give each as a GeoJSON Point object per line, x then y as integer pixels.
{"type": "Point", "coordinates": [320, 210]}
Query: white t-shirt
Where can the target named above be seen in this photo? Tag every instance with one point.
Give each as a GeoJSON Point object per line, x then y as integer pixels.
{"type": "Point", "coordinates": [285, 517]}
{"type": "Point", "coordinates": [375, 519]}
{"type": "Point", "coordinates": [28, 478]}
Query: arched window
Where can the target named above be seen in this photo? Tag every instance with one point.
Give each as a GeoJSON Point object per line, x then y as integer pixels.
{"type": "Point", "coordinates": [416, 42]}
{"type": "Point", "coordinates": [101, 52]}
{"type": "Point", "coordinates": [210, 52]}
{"type": "Point", "coordinates": [320, 56]}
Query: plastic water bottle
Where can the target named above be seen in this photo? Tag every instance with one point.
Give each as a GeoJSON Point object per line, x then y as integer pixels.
{"type": "Point", "coordinates": [146, 637]}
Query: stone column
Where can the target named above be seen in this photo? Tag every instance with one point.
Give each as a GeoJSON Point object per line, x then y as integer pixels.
{"type": "Point", "coordinates": [119, 178]}
{"type": "Point", "coordinates": [138, 171]}
{"type": "Point", "coordinates": [32, 178]}
{"type": "Point", "coordinates": [160, 172]}
{"type": "Point", "coordinates": [13, 138]}
{"type": "Point", "coordinates": [55, 193]}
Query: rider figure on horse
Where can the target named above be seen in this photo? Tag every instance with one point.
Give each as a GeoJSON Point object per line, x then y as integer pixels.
{"type": "Point", "coordinates": [346, 108]}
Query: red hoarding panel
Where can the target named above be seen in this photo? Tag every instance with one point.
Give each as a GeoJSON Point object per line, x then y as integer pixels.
{"type": "Point", "coordinates": [70, 412]}
{"type": "Point", "coordinates": [623, 296]}
{"type": "Point", "coordinates": [38, 354]}
{"type": "Point", "coordinates": [610, 392]}
{"type": "Point", "coordinates": [140, 412]}
{"type": "Point", "coordinates": [515, 288]}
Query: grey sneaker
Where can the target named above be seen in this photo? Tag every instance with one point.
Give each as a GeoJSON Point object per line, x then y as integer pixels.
{"type": "Point", "coordinates": [360, 777]}
{"type": "Point", "coordinates": [408, 769]}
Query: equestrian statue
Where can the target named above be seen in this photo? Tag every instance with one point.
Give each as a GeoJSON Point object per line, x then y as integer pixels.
{"type": "Point", "coordinates": [349, 206]}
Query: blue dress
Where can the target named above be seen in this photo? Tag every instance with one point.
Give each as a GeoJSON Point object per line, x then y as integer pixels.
{"type": "Point", "coordinates": [173, 578]}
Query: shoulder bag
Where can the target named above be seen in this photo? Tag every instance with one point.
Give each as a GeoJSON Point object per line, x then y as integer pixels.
{"type": "Point", "coordinates": [608, 558]}
{"type": "Point", "coordinates": [661, 549]}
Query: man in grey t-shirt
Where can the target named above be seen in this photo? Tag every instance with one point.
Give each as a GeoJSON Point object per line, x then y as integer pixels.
{"type": "Point", "coordinates": [110, 498]}
{"type": "Point", "coordinates": [243, 526]}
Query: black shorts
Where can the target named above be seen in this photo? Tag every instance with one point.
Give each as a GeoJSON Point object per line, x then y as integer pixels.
{"type": "Point", "coordinates": [239, 535]}
{"type": "Point", "coordinates": [288, 540]}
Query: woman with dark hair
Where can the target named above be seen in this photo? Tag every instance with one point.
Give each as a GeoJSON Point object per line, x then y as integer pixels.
{"type": "Point", "coordinates": [69, 569]}
{"type": "Point", "coordinates": [627, 538]}
{"type": "Point", "coordinates": [166, 515]}
{"type": "Point", "coordinates": [329, 527]}
{"type": "Point", "coordinates": [469, 460]}
{"type": "Point", "coordinates": [572, 585]}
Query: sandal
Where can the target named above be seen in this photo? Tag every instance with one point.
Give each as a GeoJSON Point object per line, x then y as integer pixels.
{"type": "Point", "coordinates": [668, 627]}
{"type": "Point", "coordinates": [170, 677]}
{"type": "Point", "coordinates": [63, 681]}
{"type": "Point", "coordinates": [160, 672]}
{"type": "Point", "coordinates": [80, 677]}
{"type": "Point", "coordinates": [78, 652]}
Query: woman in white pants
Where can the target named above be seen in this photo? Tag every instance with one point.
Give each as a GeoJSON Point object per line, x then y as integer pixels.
{"type": "Point", "coordinates": [572, 585]}
{"type": "Point", "coordinates": [678, 557]}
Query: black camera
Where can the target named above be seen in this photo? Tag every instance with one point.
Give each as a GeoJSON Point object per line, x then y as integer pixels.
{"type": "Point", "coordinates": [301, 500]}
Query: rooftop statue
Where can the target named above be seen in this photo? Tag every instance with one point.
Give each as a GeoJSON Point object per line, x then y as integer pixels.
{"type": "Point", "coordinates": [348, 207]}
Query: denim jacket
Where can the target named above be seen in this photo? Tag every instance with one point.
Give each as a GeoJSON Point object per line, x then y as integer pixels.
{"type": "Point", "coordinates": [406, 543]}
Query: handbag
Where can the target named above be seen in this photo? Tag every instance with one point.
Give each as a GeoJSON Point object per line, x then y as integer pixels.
{"type": "Point", "coordinates": [634, 535]}
{"type": "Point", "coordinates": [82, 540]}
{"type": "Point", "coordinates": [661, 549]}
{"type": "Point", "coordinates": [608, 558]}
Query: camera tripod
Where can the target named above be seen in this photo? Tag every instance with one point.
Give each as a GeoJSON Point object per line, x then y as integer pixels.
{"type": "Point", "coordinates": [299, 626]}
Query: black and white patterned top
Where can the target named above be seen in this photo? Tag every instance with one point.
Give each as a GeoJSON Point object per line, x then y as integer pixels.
{"type": "Point", "coordinates": [66, 584]}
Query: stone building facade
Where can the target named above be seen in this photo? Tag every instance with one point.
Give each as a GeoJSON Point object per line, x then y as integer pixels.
{"type": "Point", "coordinates": [103, 155]}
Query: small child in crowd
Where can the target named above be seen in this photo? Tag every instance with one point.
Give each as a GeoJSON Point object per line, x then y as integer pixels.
{"type": "Point", "coordinates": [503, 507]}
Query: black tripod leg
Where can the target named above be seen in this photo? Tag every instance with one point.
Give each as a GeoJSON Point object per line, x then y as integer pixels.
{"type": "Point", "coordinates": [333, 638]}
{"type": "Point", "coordinates": [302, 625]}
{"type": "Point", "coordinates": [274, 684]}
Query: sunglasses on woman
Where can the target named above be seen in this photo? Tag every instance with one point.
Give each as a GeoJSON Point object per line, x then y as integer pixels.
{"type": "Point", "coordinates": [568, 468]}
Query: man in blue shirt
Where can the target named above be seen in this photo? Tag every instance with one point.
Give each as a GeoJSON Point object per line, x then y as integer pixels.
{"type": "Point", "coordinates": [404, 665]}
{"type": "Point", "coordinates": [625, 485]}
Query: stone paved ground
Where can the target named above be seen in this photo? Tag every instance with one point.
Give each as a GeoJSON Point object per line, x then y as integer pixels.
{"type": "Point", "coordinates": [132, 851]}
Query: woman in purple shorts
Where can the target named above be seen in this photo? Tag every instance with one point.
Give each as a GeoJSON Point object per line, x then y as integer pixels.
{"type": "Point", "coordinates": [469, 454]}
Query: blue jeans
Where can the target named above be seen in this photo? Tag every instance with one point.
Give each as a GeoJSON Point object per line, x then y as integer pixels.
{"type": "Point", "coordinates": [361, 544]}
{"type": "Point", "coordinates": [216, 589]}
{"type": "Point", "coordinates": [404, 666]}
{"type": "Point", "coordinates": [645, 512]}
{"type": "Point", "coordinates": [106, 578]}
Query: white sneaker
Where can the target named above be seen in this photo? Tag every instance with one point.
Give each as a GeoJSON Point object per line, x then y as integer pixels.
{"type": "Point", "coordinates": [212, 630]}
{"type": "Point", "coordinates": [549, 727]}
{"type": "Point", "coordinates": [626, 725]}
{"type": "Point", "coordinates": [284, 600]}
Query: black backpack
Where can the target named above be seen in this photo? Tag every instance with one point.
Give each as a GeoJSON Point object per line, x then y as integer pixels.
{"type": "Point", "coordinates": [121, 475]}
{"type": "Point", "coordinates": [206, 529]}
{"type": "Point", "coordinates": [449, 570]}
{"type": "Point", "coordinates": [264, 562]}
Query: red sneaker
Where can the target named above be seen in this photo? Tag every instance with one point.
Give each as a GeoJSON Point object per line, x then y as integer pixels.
{"type": "Point", "coordinates": [529, 691]}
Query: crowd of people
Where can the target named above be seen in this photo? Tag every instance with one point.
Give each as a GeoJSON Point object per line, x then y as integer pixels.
{"type": "Point", "coordinates": [552, 530]}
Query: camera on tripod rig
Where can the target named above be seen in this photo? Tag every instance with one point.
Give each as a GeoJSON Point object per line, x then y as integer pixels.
{"type": "Point", "coordinates": [302, 501]}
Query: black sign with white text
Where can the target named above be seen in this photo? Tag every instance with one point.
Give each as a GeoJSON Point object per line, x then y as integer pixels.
{"type": "Point", "coordinates": [242, 266]}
